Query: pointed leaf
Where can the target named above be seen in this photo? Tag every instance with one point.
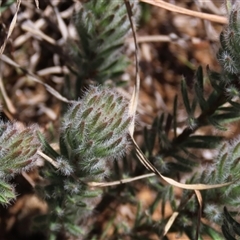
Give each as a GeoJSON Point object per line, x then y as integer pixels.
{"type": "Point", "coordinates": [235, 105]}
{"type": "Point", "coordinates": [47, 148]}
{"type": "Point", "coordinates": [226, 117]}
{"type": "Point", "coordinates": [214, 78]}
{"type": "Point", "coordinates": [185, 161]}
{"type": "Point", "coordinates": [207, 142]}
{"type": "Point", "coordinates": [216, 124]}
{"type": "Point", "coordinates": [185, 96]}
{"type": "Point", "coordinates": [231, 221]}
{"type": "Point", "coordinates": [199, 94]}
{"type": "Point", "coordinates": [175, 116]}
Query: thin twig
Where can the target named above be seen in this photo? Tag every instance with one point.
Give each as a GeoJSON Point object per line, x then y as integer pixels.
{"type": "Point", "coordinates": [37, 4]}
{"type": "Point", "coordinates": [173, 8]}
{"type": "Point", "coordinates": [47, 158]}
{"type": "Point", "coordinates": [5, 97]}
{"type": "Point", "coordinates": [134, 99]}
{"type": "Point", "coordinates": [35, 78]}
{"type": "Point", "coordinates": [122, 181]}
{"type": "Point", "coordinates": [11, 27]}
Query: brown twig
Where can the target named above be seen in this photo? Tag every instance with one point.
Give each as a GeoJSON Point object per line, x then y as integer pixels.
{"type": "Point", "coordinates": [173, 8]}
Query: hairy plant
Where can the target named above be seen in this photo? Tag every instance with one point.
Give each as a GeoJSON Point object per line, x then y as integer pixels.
{"type": "Point", "coordinates": [18, 152]}
{"type": "Point", "coordinates": [102, 27]}
{"type": "Point", "coordinates": [94, 133]}
{"type": "Point", "coordinates": [178, 154]}
{"type": "Point", "coordinates": [94, 130]}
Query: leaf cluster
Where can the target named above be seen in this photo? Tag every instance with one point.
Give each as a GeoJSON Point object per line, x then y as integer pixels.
{"type": "Point", "coordinates": [230, 227]}
{"type": "Point", "coordinates": [18, 152]}
{"type": "Point", "coordinates": [94, 132]}
{"type": "Point", "coordinates": [178, 153]}
{"type": "Point", "coordinates": [98, 54]}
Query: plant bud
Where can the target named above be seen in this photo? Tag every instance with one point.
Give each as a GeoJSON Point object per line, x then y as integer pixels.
{"type": "Point", "coordinates": [18, 148]}
{"type": "Point", "coordinates": [95, 132]}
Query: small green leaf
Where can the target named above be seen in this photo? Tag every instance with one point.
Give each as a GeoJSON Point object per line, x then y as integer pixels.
{"type": "Point", "coordinates": [185, 96]}
{"type": "Point", "coordinates": [207, 142]}
{"type": "Point", "coordinates": [155, 203]}
{"type": "Point", "coordinates": [212, 233]}
{"type": "Point", "coordinates": [47, 148]}
{"type": "Point", "coordinates": [7, 193]}
{"type": "Point", "coordinates": [235, 105]}
{"type": "Point", "coordinates": [231, 221]}
{"type": "Point", "coordinates": [184, 160]}
{"type": "Point", "coordinates": [199, 94]}
{"type": "Point", "coordinates": [6, 5]}
{"type": "Point", "coordinates": [216, 124]}
{"type": "Point", "coordinates": [181, 168]}
{"type": "Point", "coordinates": [214, 78]}
{"type": "Point", "coordinates": [175, 116]}
{"type": "Point", "coordinates": [226, 117]}
{"type": "Point", "coordinates": [199, 78]}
